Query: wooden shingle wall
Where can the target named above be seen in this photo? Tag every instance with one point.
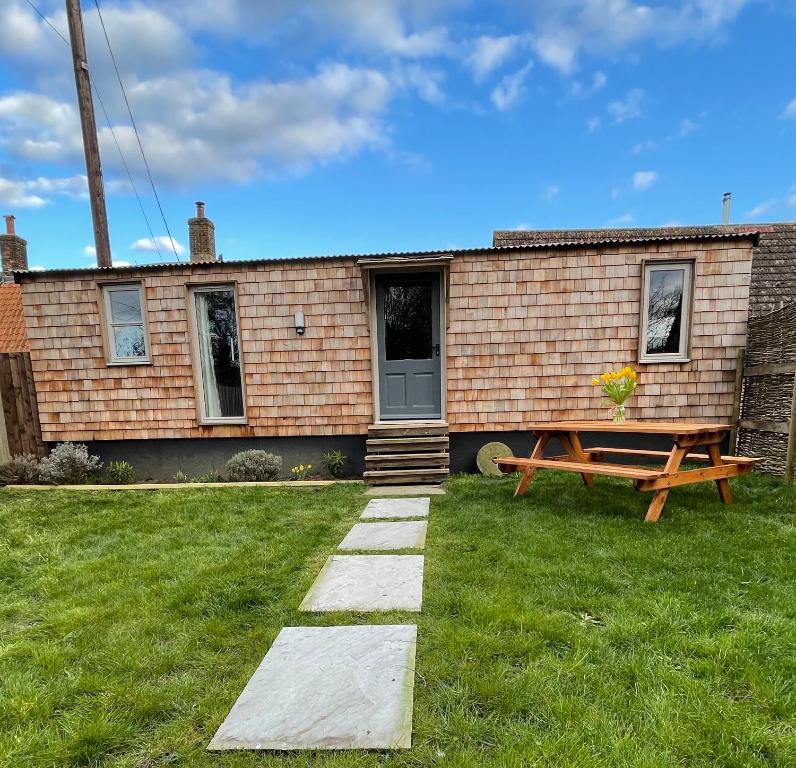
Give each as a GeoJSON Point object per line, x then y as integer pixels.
{"type": "Point", "coordinates": [528, 330]}
{"type": "Point", "coordinates": [316, 384]}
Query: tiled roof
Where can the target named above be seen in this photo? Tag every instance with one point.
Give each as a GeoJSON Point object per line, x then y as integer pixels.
{"type": "Point", "coordinates": [524, 241]}
{"type": "Point", "coordinates": [13, 337]}
{"type": "Point", "coordinates": [515, 237]}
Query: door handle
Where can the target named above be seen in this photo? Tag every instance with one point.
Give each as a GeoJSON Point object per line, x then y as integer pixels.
{"type": "Point", "coordinates": [436, 350]}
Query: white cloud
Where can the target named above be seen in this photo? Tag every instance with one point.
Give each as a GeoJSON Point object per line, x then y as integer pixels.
{"type": "Point", "coordinates": [620, 221]}
{"type": "Point", "coordinates": [760, 209]}
{"type": "Point", "coordinates": [424, 81]}
{"type": "Point", "coordinates": [160, 242]}
{"type": "Point", "coordinates": [593, 124]}
{"type": "Point", "coordinates": [644, 179]}
{"type": "Point", "coordinates": [119, 263]}
{"type": "Point", "coordinates": [489, 53]}
{"type": "Point", "coordinates": [511, 88]}
{"type": "Point", "coordinates": [89, 250]}
{"type": "Point", "coordinates": [791, 198]}
{"type": "Point", "coordinates": [36, 268]}
{"type": "Point", "coordinates": [628, 109]}
{"type": "Point", "coordinates": [34, 193]}
{"type": "Point", "coordinates": [558, 50]}
{"type": "Point", "coordinates": [198, 125]}
{"type": "Point", "coordinates": [564, 28]}
{"type": "Point", "coordinates": [551, 192]}
{"type": "Point", "coordinates": [790, 109]}
{"type": "Point", "coordinates": [14, 195]}
{"type": "Point", "coordinates": [580, 90]}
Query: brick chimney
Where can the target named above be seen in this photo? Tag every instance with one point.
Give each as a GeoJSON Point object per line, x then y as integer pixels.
{"type": "Point", "coordinates": [13, 248]}
{"type": "Point", "coordinates": [201, 236]}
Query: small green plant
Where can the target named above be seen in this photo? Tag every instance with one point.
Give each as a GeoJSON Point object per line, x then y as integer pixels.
{"type": "Point", "coordinates": [253, 466]}
{"type": "Point", "coordinates": [69, 464]}
{"type": "Point", "coordinates": [23, 469]}
{"type": "Point", "coordinates": [213, 476]}
{"type": "Point", "coordinates": [300, 471]}
{"type": "Point", "coordinates": [334, 462]}
{"type": "Point", "coordinates": [181, 477]}
{"type": "Point", "coordinates": [120, 472]}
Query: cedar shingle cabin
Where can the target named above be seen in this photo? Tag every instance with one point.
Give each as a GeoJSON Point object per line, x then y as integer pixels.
{"type": "Point", "coordinates": [178, 366]}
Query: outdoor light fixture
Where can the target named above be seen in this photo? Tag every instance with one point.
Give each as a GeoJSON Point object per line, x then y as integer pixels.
{"type": "Point", "coordinates": [299, 320]}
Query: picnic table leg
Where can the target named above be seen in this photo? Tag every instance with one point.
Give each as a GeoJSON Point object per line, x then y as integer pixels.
{"type": "Point", "coordinates": [527, 475]}
{"type": "Point", "coordinates": [572, 446]}
{"type": "Point", "coordinates": [725, 494]}
{"type": "Point", "coordinates": [659, 497]}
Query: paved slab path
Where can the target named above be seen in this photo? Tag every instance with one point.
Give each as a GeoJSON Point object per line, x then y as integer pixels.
{"type": "Point", "coordinates": [345, 687]}
{"type": "Point", "coordinates": [327, 688]}
{"type": "Point", "coordinates": [405, 534]}
{"type": "Point", "coordinates": [395, 508]}
{"type": "Point", "coordinates": [368, 583]}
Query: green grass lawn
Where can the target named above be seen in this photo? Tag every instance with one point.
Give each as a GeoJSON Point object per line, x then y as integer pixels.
{"type": "Point", "coordinates": [558, 629]}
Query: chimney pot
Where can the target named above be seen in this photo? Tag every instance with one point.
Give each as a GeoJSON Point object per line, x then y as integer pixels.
{"type": "Point", "coordinates": [13, 249]}
{"type": "Point", "coordinates": [201, 236]}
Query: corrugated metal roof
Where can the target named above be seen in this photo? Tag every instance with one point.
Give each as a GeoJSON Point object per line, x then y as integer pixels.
{"type": "Point", "coordinates": [13, 337]}
{"type": "Point", "coordinates": [540, 244]}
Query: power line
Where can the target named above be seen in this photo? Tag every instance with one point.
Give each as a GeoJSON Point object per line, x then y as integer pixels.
{"type": "Point", "coordinates": [135, 130]}
{"type": "Point", "coordinates": [110, 127]}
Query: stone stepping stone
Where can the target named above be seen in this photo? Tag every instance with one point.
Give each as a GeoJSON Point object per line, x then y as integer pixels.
{"type": "Point", "coordinates": [367, 583]}
{"type": "Point", "coordinates": [327, 688]}
{"type": "Point", "coordinates": [408, 534]}
{"type": "Point", "coordinates": [397, 508]}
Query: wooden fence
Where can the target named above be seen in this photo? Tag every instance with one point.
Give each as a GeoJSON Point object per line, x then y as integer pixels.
{"type": "Point", "coordinates": [766, 405]}
{"type": "Point", "coordinates": [20, 431]}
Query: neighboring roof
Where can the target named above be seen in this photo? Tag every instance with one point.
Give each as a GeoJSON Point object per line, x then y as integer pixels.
{"type": "Point", "coordinates": [13, 337]}
{"type": "Point", "coordinates": [516, 237]}
{"type": "Point", "coordinates": [524, 242]}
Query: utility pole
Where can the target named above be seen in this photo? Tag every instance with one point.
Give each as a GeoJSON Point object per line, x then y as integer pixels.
{"type": "Point", "coordinates": [88, 123]}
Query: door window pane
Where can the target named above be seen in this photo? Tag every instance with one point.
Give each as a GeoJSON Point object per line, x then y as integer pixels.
{"type": "Point", "coordinates": [407, 320]}
{"type": "Point", "coordinates": [665, 311]}
{"type": "Point", "coordinates": [219, 355]}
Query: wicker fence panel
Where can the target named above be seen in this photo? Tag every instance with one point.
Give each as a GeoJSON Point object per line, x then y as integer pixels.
{"type": "Point", "coordinates": [767, 423]}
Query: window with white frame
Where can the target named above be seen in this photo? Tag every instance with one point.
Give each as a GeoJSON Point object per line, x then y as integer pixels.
{"type": "Point", "coordinates": [218, 353]}
{"type": "Point", "coordinates": [125, 323]}
{"type": "Point", "coordinates": [666, 311]}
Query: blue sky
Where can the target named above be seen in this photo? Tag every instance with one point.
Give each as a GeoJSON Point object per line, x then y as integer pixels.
{"type": "Point", "coordinates": [339, 126]}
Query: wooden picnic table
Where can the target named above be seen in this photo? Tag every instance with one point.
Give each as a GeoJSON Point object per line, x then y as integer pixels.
{"type": "Point", "coordinates": [591, 461]}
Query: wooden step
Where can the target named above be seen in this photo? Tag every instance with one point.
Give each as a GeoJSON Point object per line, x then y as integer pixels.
{"type": "Point", "coordinates": [418, 460]}
{"type": "Point", "coordinates": [404, 476]}
{"type": "Point", "coordinates": [411, 444]}
{"type": "Point", "coordinates": [408, 429]}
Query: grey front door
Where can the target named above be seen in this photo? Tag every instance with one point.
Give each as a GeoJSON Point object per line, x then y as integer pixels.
{"type": "Point", "coordinates": [408, 328]}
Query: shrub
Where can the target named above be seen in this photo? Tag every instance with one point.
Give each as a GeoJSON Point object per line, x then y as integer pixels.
{"type": "Point", "coordinates": [254, 466]}
{"type": "Point", "coordinates": [213, 476]}
{"type": "Point", "coordinates": [121, 472]}
{"type": "Point", "coordinates": [301, 471]}
{"type": "Point", "coordinates": [181, 477]}
{"type": "Point", "coordinates": [334, 461]}
{"type": "Point", "coordinates": [22, 469]}
{"type": "Point", "coordinates": [69, 464]}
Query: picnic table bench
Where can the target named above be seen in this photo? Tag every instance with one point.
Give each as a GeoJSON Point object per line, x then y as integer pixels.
{"type": "Point", "coordinates": [591, 461]}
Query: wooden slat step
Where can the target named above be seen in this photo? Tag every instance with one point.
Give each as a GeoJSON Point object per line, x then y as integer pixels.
{"type": "Point", "coordinates": [585, 467]}
{"type": "Point", "coordinates": [412, 429]}
{"type": "Point", "coordinates": [401, 444]}
{"type": "Point", "coordinates": [663, 455]}
{"type": "Point", "coordinates": [404, 476]}
{"type": "Point", "coordinates": [407, 460]}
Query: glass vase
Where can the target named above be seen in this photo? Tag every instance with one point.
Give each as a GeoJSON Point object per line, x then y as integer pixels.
{"type": "Point", "coordinates": [619, 413]}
